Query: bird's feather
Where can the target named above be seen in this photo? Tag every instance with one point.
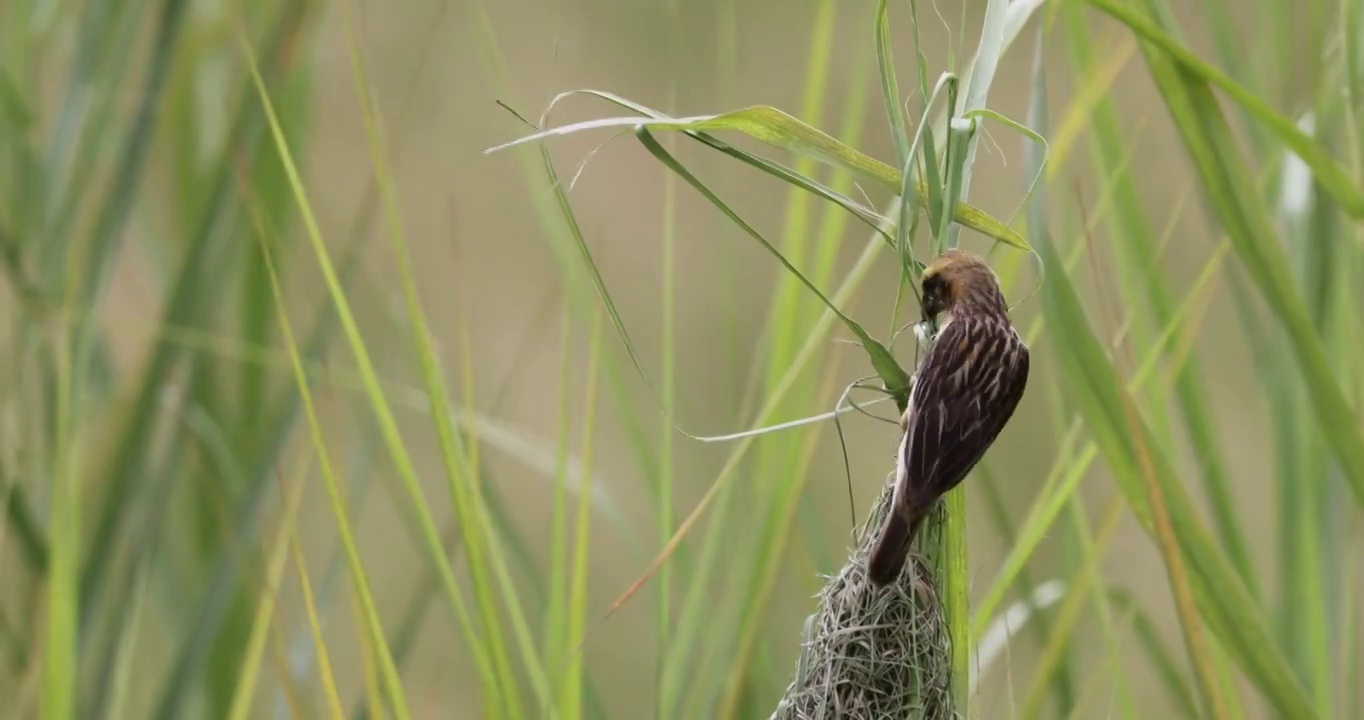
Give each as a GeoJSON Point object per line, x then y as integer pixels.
{"type": "Point", "coordinates": [964, 393]}
{"type": "Point", "coordinates": [968, 388]}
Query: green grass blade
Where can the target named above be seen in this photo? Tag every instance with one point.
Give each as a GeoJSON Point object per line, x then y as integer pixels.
{"type": "Point", "coordinates": [959, 160]}
{"type": "Point", "coordinates": [774, 127]}
{"type": "Point", "coordinates": [266, 602]}
{"type": "Point", "coordinates": [727, 664]}
{"type": "Point", "coordinates": [60, 652]}
{"type": "Point", "coordinates": [383, 413]}
{"type": "Point", "coordinates": [743, 674]}
{"type": "Point", "coordinates": [784, 306]}
{"type": "Point", "coordinates": [909, 217]}
{"type": "Point", "coordinates": [983, 65]}
{"type": "Point", "coordinates": [324, 663]}
{"type": "Point", "coordinates": [392, 685]}
{"type": "Point", "coordinates": [82, 137]}
{"type": "Point", "coordinates": [1043, 513]}
{"type": "Point", "coordinates": [590, 265]}
{"type": "Point", "coordinates": [890, 88]}
{"type": "Point", "coordinates": [1310, 530]}
{"type": "Point", "coordinates": [564, 240]}
{"type": "Point", "coordinates": [501, 536]}
{"type": "Point", "coordinates": [1161, 659]}
{"type": "Point", "coordinates": [667, 465]}
{"type": "Point", "coordinates": [1222, 598]}
{"type": "Point", "coordinates": [1333, 178]}
{"type": "Point", "coordinates": [1228, 183]}
{"type": "Point", "coordinates": [1133, 233]}
{"type": "Point", "coordinates": [1068, 616]}
{"type": "Point", "coordinates": [895, 378]}
{"type": "Point", "coordinates": [225, 571]}
{"type": "Point", "coordinates": [1025, 131]}
{"type": "Point", "coordinates": [1143, 472]}
{"type": "Point", "coordinates": [791, 176]}
{"type": "Point", "coordinates": [373, 695]}
{"type": "Point", "coordinates": [960, 132]}
{"type": "Point", "coordinates": [570, 705]}
{"type": "Point", "coordinates": [556, 621]}
{"type": "Point", "coordinates": [126, 652]}
{"type": "Point", "coordinates": [772, 400]}
{"type": "Point", "coordinates": [460, 468]}
{"type": "Point", "coordinates": [1083, 540]}
{"type": "Point", "coordinates": [115, 211]}
{"type": "Point", "coordinates": [1030, 611]}
{"type": "Point", "coordinates": [1028, 585]}
{"type": "Point", "coordinates": [184, 304]}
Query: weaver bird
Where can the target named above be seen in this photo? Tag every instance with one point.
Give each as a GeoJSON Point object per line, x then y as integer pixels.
{"type": "Point", "coordinates": [966, 390]}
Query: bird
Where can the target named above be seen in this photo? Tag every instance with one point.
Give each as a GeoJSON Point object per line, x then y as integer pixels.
{"type": "Point", "coordinates": [964, 393]}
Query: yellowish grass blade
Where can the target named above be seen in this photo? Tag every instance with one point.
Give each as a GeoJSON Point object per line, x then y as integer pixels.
{"type": "Point", "coordinates": [324, 662]}
{"type": "Point", "coordinates": [571, 705]}
{"type": "Point", "coordinates": [460, 459]}
{"type": "Point", "coordinates": [392, 685]}
{"type": "Point", "coordinates": [261, 624]}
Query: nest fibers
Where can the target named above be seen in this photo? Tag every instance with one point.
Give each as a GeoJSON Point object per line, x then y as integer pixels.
{"type": "Point", "coordinates": [873, 652]}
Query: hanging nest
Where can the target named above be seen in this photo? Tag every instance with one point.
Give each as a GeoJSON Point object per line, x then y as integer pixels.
{"type": "Point", "coordinates": [872, 652]}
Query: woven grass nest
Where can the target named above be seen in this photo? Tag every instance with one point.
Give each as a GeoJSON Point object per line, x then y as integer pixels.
{"type": "Point", "coordinates": [871, 652]}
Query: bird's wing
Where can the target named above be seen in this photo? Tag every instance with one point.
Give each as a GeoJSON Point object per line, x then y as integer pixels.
{"type": "Point", "coordinates": [967, 389]}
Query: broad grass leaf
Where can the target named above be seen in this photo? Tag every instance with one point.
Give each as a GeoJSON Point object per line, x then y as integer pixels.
{"type": "Point", "coordinates": [1135, 459]}
{"type": "Point", "coordinates": [1333, 178]}
{"type": "Point", "coordinates": [778, 129]}
{"type": "Point", "coordinates": [895, 378]}
{"type": "Point", "coordinates": [1240, 209]}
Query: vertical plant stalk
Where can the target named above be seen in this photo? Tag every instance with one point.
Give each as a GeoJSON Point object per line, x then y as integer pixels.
{"type": "Point", "coordinates": [667, 373]}
{"type": "Point", "coordinates": [955, 580]}
{"type": "Point", "coordinates": [61, 656]}
{"type": "Point", "coordinates": [556, 618]}
{"type": "Point", "coordinates": [952, 561]}
{"type": "Point", "coordinates": [571, 701]}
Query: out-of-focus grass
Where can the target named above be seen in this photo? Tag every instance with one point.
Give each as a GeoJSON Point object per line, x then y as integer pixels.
{"type": "Point", "coordinates": [152, 508]}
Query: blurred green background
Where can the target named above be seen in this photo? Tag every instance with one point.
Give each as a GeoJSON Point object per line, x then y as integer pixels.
{"type": "Point", "coordinates": [153, 430]}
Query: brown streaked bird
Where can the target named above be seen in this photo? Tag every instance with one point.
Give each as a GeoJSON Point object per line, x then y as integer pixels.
{"type": "Point", "coordinates": [966, 390]}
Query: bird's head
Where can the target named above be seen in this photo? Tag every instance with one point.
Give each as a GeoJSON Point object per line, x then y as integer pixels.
{"type": "Point", "coordinates": [958, 279]}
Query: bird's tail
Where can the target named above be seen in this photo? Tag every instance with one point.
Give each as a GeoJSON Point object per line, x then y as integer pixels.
{"type": "Point", "coordinates": [887, 557]}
